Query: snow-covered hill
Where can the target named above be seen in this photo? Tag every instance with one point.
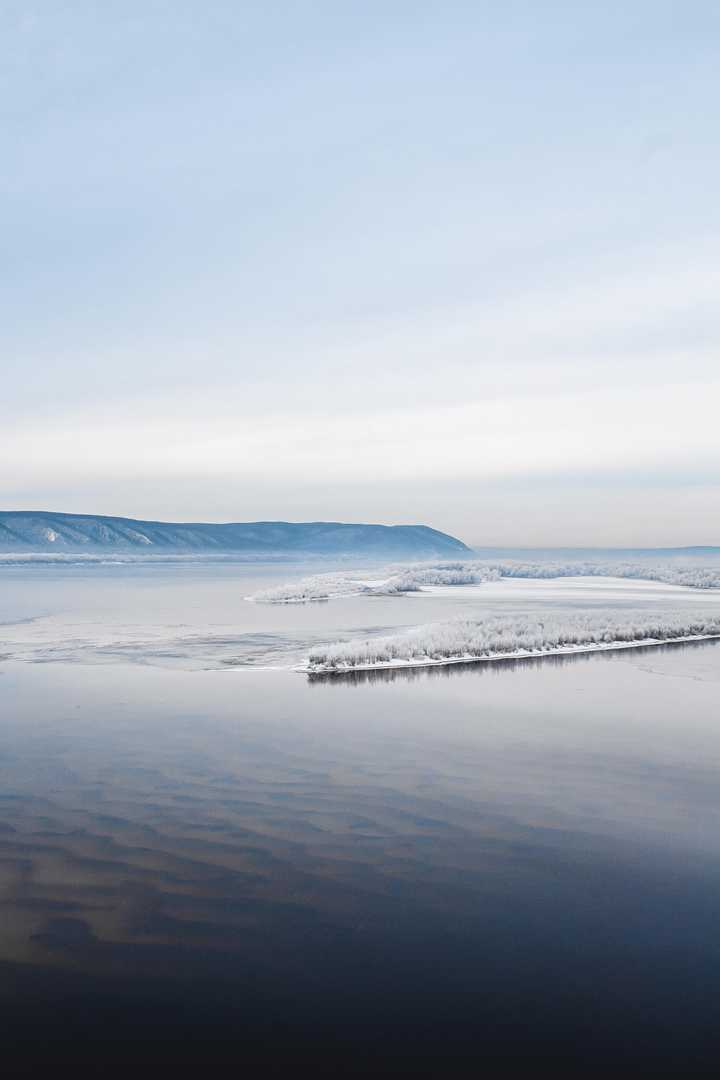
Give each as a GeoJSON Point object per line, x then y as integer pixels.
{"type": "Point", "coordinates": [47, 531]}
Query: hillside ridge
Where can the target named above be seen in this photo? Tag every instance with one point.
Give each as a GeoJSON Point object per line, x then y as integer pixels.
{"type": "Point", "coordinates": [44, 530]}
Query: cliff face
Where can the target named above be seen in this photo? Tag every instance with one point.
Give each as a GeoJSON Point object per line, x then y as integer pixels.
{"type": "Point", "coordinates": [46, 531]}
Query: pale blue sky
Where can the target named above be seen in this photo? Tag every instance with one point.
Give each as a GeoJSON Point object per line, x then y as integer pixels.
{"type": "Point", "coordinates": [444, 262]}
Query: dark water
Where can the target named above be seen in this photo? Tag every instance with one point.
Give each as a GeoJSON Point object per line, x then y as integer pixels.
{"type": "Point", "coordinates": [458, 870]}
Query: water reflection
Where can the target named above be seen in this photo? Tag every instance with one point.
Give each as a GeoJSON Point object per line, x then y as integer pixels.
{"type": "Point", "coordinates": [486, 853]}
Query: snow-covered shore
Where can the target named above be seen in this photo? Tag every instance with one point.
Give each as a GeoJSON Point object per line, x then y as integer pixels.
{"type": "Point", "coordinates": [398, 580]}
{"type": "Point", "coordinates": [466, 641]}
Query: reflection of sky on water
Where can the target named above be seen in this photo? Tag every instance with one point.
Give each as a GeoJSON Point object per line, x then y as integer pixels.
{"type": "Point", "coordinates": [199, 787]}
{"type": "Point", "coordinates": [477, 842]}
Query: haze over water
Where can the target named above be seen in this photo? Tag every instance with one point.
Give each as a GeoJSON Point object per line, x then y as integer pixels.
{"type": "Point", "coordinates": [278, 277]}
{"type": "Point", "coordinates": [206, 856]}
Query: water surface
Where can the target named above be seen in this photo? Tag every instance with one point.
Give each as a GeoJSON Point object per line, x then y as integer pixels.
{"type": "Point", "coordinates": [213, 862]}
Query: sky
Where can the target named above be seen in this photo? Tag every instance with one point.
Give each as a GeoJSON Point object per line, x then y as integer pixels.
{"type": "Point", "coordinates": [440, 262]}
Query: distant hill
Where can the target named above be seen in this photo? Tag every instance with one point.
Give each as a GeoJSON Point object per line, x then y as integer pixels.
{"type": "Point", "coordinates": [679, 554]}
{"type": "Point", "coordinates": [25, 530]}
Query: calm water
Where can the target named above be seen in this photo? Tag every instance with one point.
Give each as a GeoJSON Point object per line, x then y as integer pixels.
{"type": "Point", "coordinates": [206, 857]}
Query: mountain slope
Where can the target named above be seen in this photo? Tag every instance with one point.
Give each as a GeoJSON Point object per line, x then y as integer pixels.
{"type": "Point", "coordinates": [48, 531]}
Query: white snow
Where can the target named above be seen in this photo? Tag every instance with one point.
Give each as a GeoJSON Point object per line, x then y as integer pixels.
{"type": "Point", "coordinates": [464, 640]}
{"type": "Point", "coordinates": [416, 577]}
{"type": "Point", "coordinates": [318, 587]}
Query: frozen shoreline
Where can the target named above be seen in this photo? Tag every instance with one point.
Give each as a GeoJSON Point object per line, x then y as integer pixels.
{"type": "Point", "coordinates": [520, 654]}
{"type": "Point", "coordinates": [420, 578]}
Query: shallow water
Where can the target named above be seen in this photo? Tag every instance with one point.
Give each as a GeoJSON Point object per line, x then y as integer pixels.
{"type": "Point", "coordinates": [211, 862]}
{"type": "Point", "coordinates": [197, 616]}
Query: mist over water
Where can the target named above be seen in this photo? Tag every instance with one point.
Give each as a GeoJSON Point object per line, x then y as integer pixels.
{"type": "Point", "coordinates": [411, 281]}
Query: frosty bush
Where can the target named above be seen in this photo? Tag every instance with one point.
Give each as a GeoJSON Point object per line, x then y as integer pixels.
{"type": "Point", "coordinates": [464, 639]}
{"type": "Point", "coordinates": [319, 587]}
{"type": "Point", "coordinates": [692, 577]}
{"type": "Point", "coordinates": [413, 578]}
